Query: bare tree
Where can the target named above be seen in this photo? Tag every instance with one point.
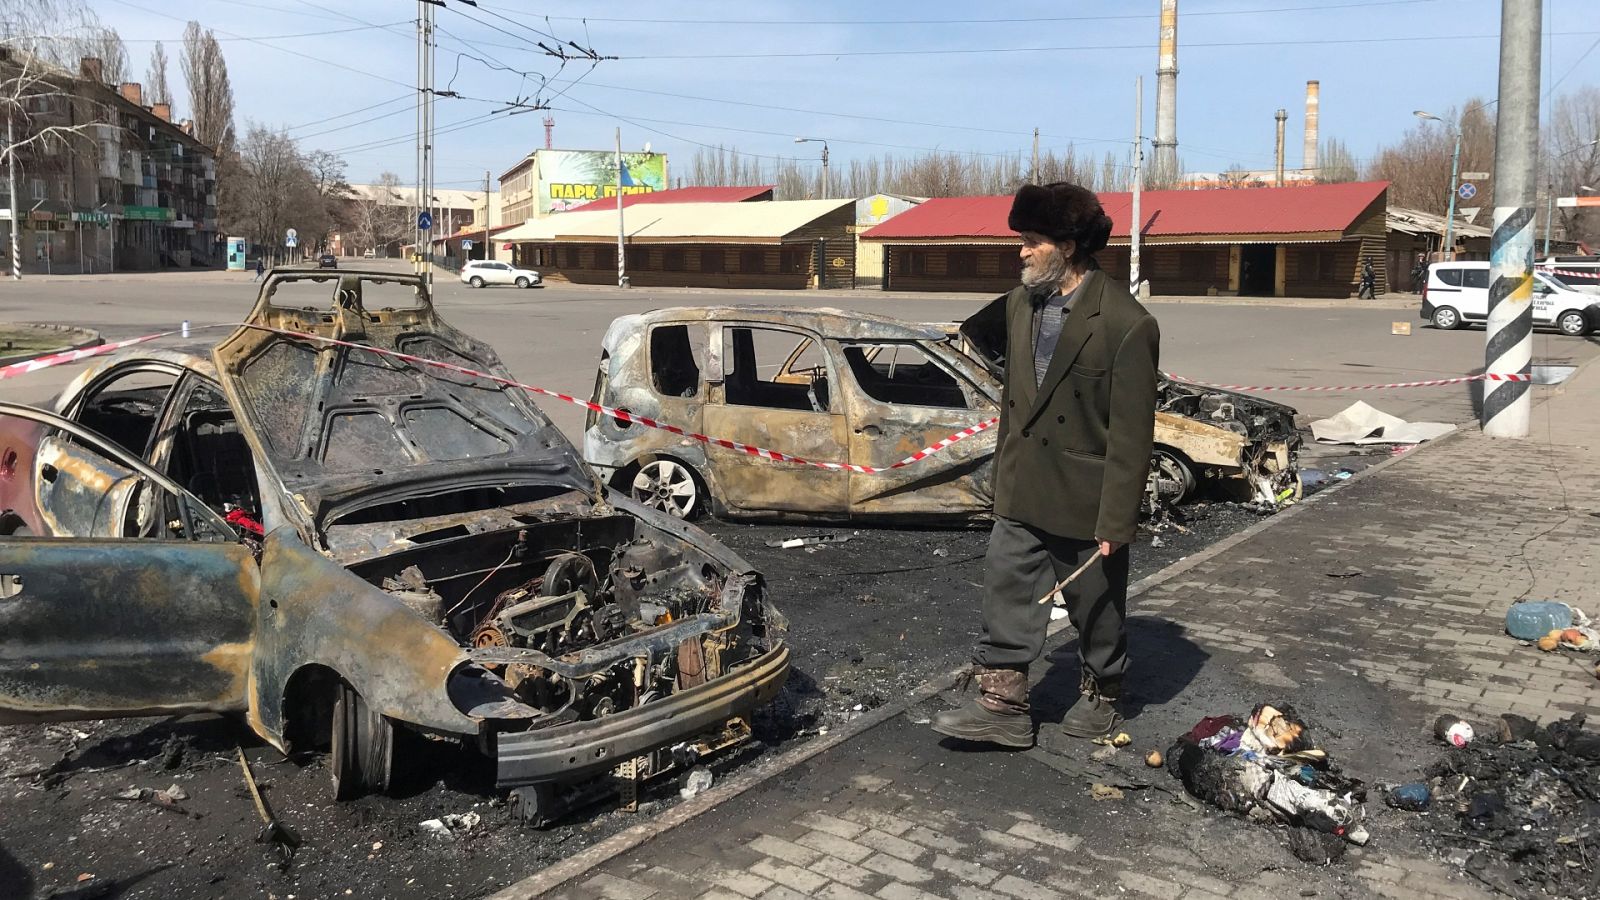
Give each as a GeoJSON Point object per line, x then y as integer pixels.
{"type": "Point", "coordinates": [106, 45]}
{"type": "Point", "coordinates": [381, 216]}
{"type": "Point", "coordinates": [1573, 160]}
{"type": "Point", "coordinates": [156, 78]}
{"type": "Point", "coordinates": [1335, 163]}
{"type": "Point", "coordinates": [327, 197]}
{"type": "Point", "coordinates": [267, 187]}
{"type": "Point", "coordinates": [210, 93]}
{"type": "Point", "coordinates": [1418, 165]}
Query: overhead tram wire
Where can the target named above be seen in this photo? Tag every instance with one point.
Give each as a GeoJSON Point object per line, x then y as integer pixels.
{"type": "Point", "coordinates": [354, 112]}
{"type": "Point", "coordinates": [998, 21]}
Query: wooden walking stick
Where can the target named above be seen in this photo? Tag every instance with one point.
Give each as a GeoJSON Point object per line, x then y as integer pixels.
{"type": "Point", "coordinates": [1071, 578]}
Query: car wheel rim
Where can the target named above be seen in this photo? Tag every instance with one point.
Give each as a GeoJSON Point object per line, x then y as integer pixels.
{"type": "Point", "coordinates": [1446, 319]}
{"type": "Point", "coordinates": [1572, 325]}
{"type": "Point", "coordinates": [667, 486]}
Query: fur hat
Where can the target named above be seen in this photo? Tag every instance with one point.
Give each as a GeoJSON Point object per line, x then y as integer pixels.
{"type": "Point", "coordinates": [1062, 212]}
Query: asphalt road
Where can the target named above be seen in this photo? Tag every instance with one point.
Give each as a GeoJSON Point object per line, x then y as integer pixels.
{"type": "Point", "coordinates": [551, 336]}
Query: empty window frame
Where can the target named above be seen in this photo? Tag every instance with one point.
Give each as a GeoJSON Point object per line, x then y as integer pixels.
{"type": "Point", "coordinates": [713, 261]}
{"type": "Point", "coordinates": [672, 259]}
{"type": "Point", "coordinates": [796, 259]}
{"type": "Point", "coordinates": [752, 262]}
{"type": "Point", "coordinates": [674, 364]}
{"type": "Point", "coordinates": [901, 374]}
{"type": "Point", "coordinates": [753, 359]}
{"type": "Point", "coordinates": [910, 262]}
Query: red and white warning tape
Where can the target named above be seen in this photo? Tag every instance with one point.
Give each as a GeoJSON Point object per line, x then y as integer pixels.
{"type": "Point", "coordinates": [1432, 382]}
{"type": "Point", "coordinates": [56, 359]}
{"type": "Point", "coordinates": [1575, 273]}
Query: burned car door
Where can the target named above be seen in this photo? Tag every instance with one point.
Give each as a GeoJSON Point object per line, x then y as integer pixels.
{"type": "Point", "coordinates": [106, 627]}
{"type": "Point", "coordinates": [82, 492]}
{"type": "Point", "coordinates": [903, 396]}
{"type": "Point", "coordinates": [749, 405]}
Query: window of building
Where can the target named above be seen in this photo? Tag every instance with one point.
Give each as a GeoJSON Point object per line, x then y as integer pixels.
{"type": "Point", "coordinates": [1316, 265]}
{"type": "Point", "coordinates": [902, 374]}
{"type": "Point", "coordinates": [672, 259]}
{"type": "Point", "coordinates": [638, 258]}
{"type": "Point", "coordinates": [963, 263]}
{"type": "Point", "coordinates": [605, 257]}
{"type": "Point", "coordinates": [910, 262]}
{"type": "Point", "coordinates": [674, 366]}
{"type": "Point", "coordinates": [752, 359]}
{"type": "Point", "coordinates": [569, 257]}
{"type": "Point", "coordinates": [1196, 265]}
{"type": "Point", "coordinates": [713, 261]}
{"type": "Point", "coordinates": [38, 189]}
{"type": "Point", "coordinates": [752, 262]}
{"type": "Point", "coordinates": [796, 259]}
{"type": "Point", "coordinates": [1010, 264]}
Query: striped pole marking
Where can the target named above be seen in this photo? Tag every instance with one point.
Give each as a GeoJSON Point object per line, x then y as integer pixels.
{"type": "Point", "coordinates": [1508, 349]}
{"type": "Point", "coordinates": [1432, 382]}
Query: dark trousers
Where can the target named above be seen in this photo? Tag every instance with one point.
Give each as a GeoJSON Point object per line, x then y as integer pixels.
{"type": "Point", "coordinates": [1022, 565]}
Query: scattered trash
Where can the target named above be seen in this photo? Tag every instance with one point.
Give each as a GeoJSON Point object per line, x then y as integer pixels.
{"type": "Point", "coordinates": [811, 541]}
{"type": "Point", "coordinates": [1265, 768]}
{"type": "Point", "coordinates": [1453, 731]}
{"type": "Point", "coordinates": [1057, 613]}
{"type": "Point", "coordinates": [1344, 474]}
{"type": "Point", "coordinates": [940, 551]}
{"type": "Point", "coordinates": [1400, 329]}
{"type": "Point", "coordinates": [1402, 449]}
{"type": "Point", "coordinates": [286, 839]}
{"type": "Point", "coordinates": [450, 827]}
{"type": "Point", "coordinates": [1155, 540]}
{"type": "Point", "coordinates": [169, 799]}
{"type": "Point", "coordinates": [1533, 619]}
{"type": "Point", "coordinates": [1101, 792]}
{"type": "Point", "coordinates": [1312, 477]}
{"type": "Point", "coordinates": [1120, 739]}
{"type": "Point", "coordinates": [1349, 572]}
{"type": "Point", "coordinates": [697, 781]}
{"type": "Point", "coordinates": [1413, 797]}
{"type": "Point", "coordinates": [1153, 759]}
{"type": "Point", "coordinates": [1524, 808]}
{"type": "Point", "coordinates": [1360, 423]}
{"type": "Point", "coordinates": [1270, 654]}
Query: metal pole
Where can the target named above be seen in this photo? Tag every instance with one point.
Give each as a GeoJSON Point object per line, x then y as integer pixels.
{"type": "Point", "coordinates": [1138, 178]}
{"type": "Point", "coordinates": [422, 131]}
{"type": "Point", "coordinates": [1549, 214]}
{"type": "Point", "coordinates": [1508, 348]}
{"type": "Point", "coordinates": [1035, 178]}
{"type": "Point", "coordinates": [488, 246]}
{"type": "Point", "coordinates": [622, 262]}
{"type": "Point", "coordinates": [824, 194]}
{"type": "Point", "coordinates": [1450, 220]}
{"type": "Point", "coordinates": [427, 148]}
{"type": "Point", "coordinates": [11, 178]}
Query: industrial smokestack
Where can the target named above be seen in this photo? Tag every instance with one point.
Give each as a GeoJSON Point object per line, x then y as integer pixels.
{"type": "Point", "coordinates": [1283, 118]}
{"type": "Point", "coordinates": [1313, 99]}
{"type": "Point", "coordinates": [1166, 143]}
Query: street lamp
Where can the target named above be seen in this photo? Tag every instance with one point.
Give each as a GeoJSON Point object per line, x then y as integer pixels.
{"type": "Point", "coordinates": [1550, 194]}
{"type": "Point", "coordinates": [1455, 170]}
{"type": "Point", "coordinates": [824, 143]}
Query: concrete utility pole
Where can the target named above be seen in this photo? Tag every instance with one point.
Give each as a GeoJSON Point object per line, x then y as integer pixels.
{"type": "Point", "coordinates": [1282, 119]}
{"type": "Point", "coordinates": [488, 245]}
{"type": "Point", "coordinates": [11, 179]}
{"type": "Point", "coordinates": [1509, 345]}
{"type": "Point", "coordinates": [1138, 185]}
{"type": "Point", "coordinates": [1166, 143]}
{"type": "Point", "coordinates": [1036, 156]}
{"type": "Point", "coordinates": [622, 261]}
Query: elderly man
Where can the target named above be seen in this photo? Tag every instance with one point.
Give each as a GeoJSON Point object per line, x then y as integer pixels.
{"type": "Point", "coordinates": [1071, 462]}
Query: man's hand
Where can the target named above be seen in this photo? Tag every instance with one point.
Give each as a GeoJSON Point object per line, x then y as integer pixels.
{"type": "Point", "coordinates": [1109, 547]}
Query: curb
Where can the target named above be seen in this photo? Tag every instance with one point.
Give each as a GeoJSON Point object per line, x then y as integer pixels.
{"type": "Point", "coordinates": [554, 876]}
{"type": "Point", "coordinates": [79, 337]}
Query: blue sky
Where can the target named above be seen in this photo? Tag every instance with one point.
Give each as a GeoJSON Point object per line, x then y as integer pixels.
{"type": "Point", "coordinates": [985, 102]}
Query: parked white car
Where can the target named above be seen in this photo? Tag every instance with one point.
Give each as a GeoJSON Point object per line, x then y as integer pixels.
{"type": "Point", "coordinates": [483, 272]}
{"type": "Point", "coordinates": [1457, 294]}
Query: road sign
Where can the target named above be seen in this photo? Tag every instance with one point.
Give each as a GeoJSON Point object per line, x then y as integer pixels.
{"type": "Point", "coordinates": [466, 244]}
{"type": "Point", "coordinates": [1467, 191]}
{"type": "Point", "coordinates": [291, 238]}
{"type": "Point", "coordinates": [425, 220]}
{"type": "Point", "coordinates": [1474, 176]}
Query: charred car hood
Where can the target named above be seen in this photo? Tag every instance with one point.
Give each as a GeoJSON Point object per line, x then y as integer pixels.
{"type": "Point", "coordinates": [337, 425]}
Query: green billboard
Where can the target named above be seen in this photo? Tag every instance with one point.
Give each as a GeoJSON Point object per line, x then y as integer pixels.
{"type": "Point", "coordinates": [571, 178]}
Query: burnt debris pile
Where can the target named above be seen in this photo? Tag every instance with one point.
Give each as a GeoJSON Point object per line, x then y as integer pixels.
{"type": "Point", "coordinates": [1524, 808]}
{"type": "Point", "coordinates": [1267, 769]}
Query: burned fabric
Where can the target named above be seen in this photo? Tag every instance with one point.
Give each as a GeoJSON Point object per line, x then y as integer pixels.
{"type": "Point", "coordinates": [1267, 769]}
{"type": "Point", "coordinates": [1527, 808]}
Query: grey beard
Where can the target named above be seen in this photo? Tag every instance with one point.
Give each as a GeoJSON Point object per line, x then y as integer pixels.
{"type": "Point", "coordinates": [1051, 273]}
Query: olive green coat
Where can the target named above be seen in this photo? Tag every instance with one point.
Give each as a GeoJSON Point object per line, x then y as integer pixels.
{"type": "Point", "coordinates": [1073, 455]}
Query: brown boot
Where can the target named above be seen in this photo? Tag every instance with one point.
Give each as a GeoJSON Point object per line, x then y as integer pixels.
{"type": "Point", "coordinates": [1095, 714]}
{"type": "Point", "coordinates": [999, 715]}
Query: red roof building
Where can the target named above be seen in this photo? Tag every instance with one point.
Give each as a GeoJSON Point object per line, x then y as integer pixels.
{"type": "Point", "coordinates": [1304, 241]}
{"type": "Point", "coordinates": [684, 195]}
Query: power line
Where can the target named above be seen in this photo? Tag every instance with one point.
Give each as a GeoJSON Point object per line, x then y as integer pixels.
{"type": "Point", "coordinates": [998, 21]}
{"type": "Point", "coordinates": [353, 112]}
{"type": "Point", "coordinates": [972, 51]}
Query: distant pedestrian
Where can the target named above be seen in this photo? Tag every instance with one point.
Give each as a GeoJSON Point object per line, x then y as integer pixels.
{"type": "Point", "coordinates": [1419, 273]}
{"type": "Point", "coordinates": [1072, 456]}
{"type": "Point", "coordinates": [261, 269]}
{"type": "Point", "coordinates": [1369, 281]}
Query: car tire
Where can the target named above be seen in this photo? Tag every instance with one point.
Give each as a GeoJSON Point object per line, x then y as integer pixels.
{"type": "Point", "coordinates": [476, 282]}
{"type": "Point", "coordinates": [670, 486]}
{"type": "Point", "coordinates": [1445, 318]}
{"type": "Point", "coordinates": [1572, 323]}
{"type": "Point", "coordinates": [1171, 481]}
{"type": "Point", "coordinates": [536, 805]}
{"type": "Point", "coordinates": [361, 758]}
{"type": "Point", "coordinates": [522, 281]}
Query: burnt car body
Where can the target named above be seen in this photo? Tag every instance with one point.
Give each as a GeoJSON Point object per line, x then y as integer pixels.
{"type": "Point", "coordinates": [869, 390]}
{"type": "Point", "coordinates": [332, 543]}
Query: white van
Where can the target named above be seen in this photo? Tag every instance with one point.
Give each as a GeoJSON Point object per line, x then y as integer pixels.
{"type": "Point", "coordinates": [1457, 294]}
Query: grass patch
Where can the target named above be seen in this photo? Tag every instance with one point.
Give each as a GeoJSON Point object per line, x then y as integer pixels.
{"type": "Point", "coordinates": [15, 340]}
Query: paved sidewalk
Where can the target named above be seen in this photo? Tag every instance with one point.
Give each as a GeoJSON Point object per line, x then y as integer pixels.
{"type": "Point", "coordinates": [1445, 539]}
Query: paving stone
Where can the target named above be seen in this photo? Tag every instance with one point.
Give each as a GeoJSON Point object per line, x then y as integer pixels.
{"type": "Point", "coordinates": [845, 873]}
{"type": "Point", "coordinates": [778, 848]}
{"type": "Point", "coordinates": [821, 821]}
{"type": "Point", "coordinates": [613, 888]}
{"type": "Point", "coordinates": [899, 869]}
{"type": "Point", "coordinates": [966, 871]}
{"type": "Point", "coordinates": [1024, 889]}
{"type": "Point", "coordinates": [785, 875]}
{"type": "Point", "coordinates": [833, 845]}
{"type": "Point", "coordinates": [1042, 835]}
{"type": "Point", "coordinates": [888, 843]}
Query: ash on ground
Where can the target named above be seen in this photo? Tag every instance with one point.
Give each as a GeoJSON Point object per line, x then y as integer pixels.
{"type": "Point", "coordinates": [1520, 811]}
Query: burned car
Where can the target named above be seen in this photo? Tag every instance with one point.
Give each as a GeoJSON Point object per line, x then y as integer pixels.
{"type": "Point", "coordinates": [868, 390]}
{"type": "Point", "coordinates": [337, 544]}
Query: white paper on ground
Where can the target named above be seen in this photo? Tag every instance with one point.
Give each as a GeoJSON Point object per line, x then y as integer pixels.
{"type": "Point", "coordinates": [1360, 423]}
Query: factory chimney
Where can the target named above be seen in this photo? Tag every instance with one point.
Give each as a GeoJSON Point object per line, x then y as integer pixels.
{"type": "Point", "coordinates": [1166, 143]}
{"type": "Point", "coordinates": [1283, 118]}
{"type": "Point", "coordinates": [1313, 99]}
